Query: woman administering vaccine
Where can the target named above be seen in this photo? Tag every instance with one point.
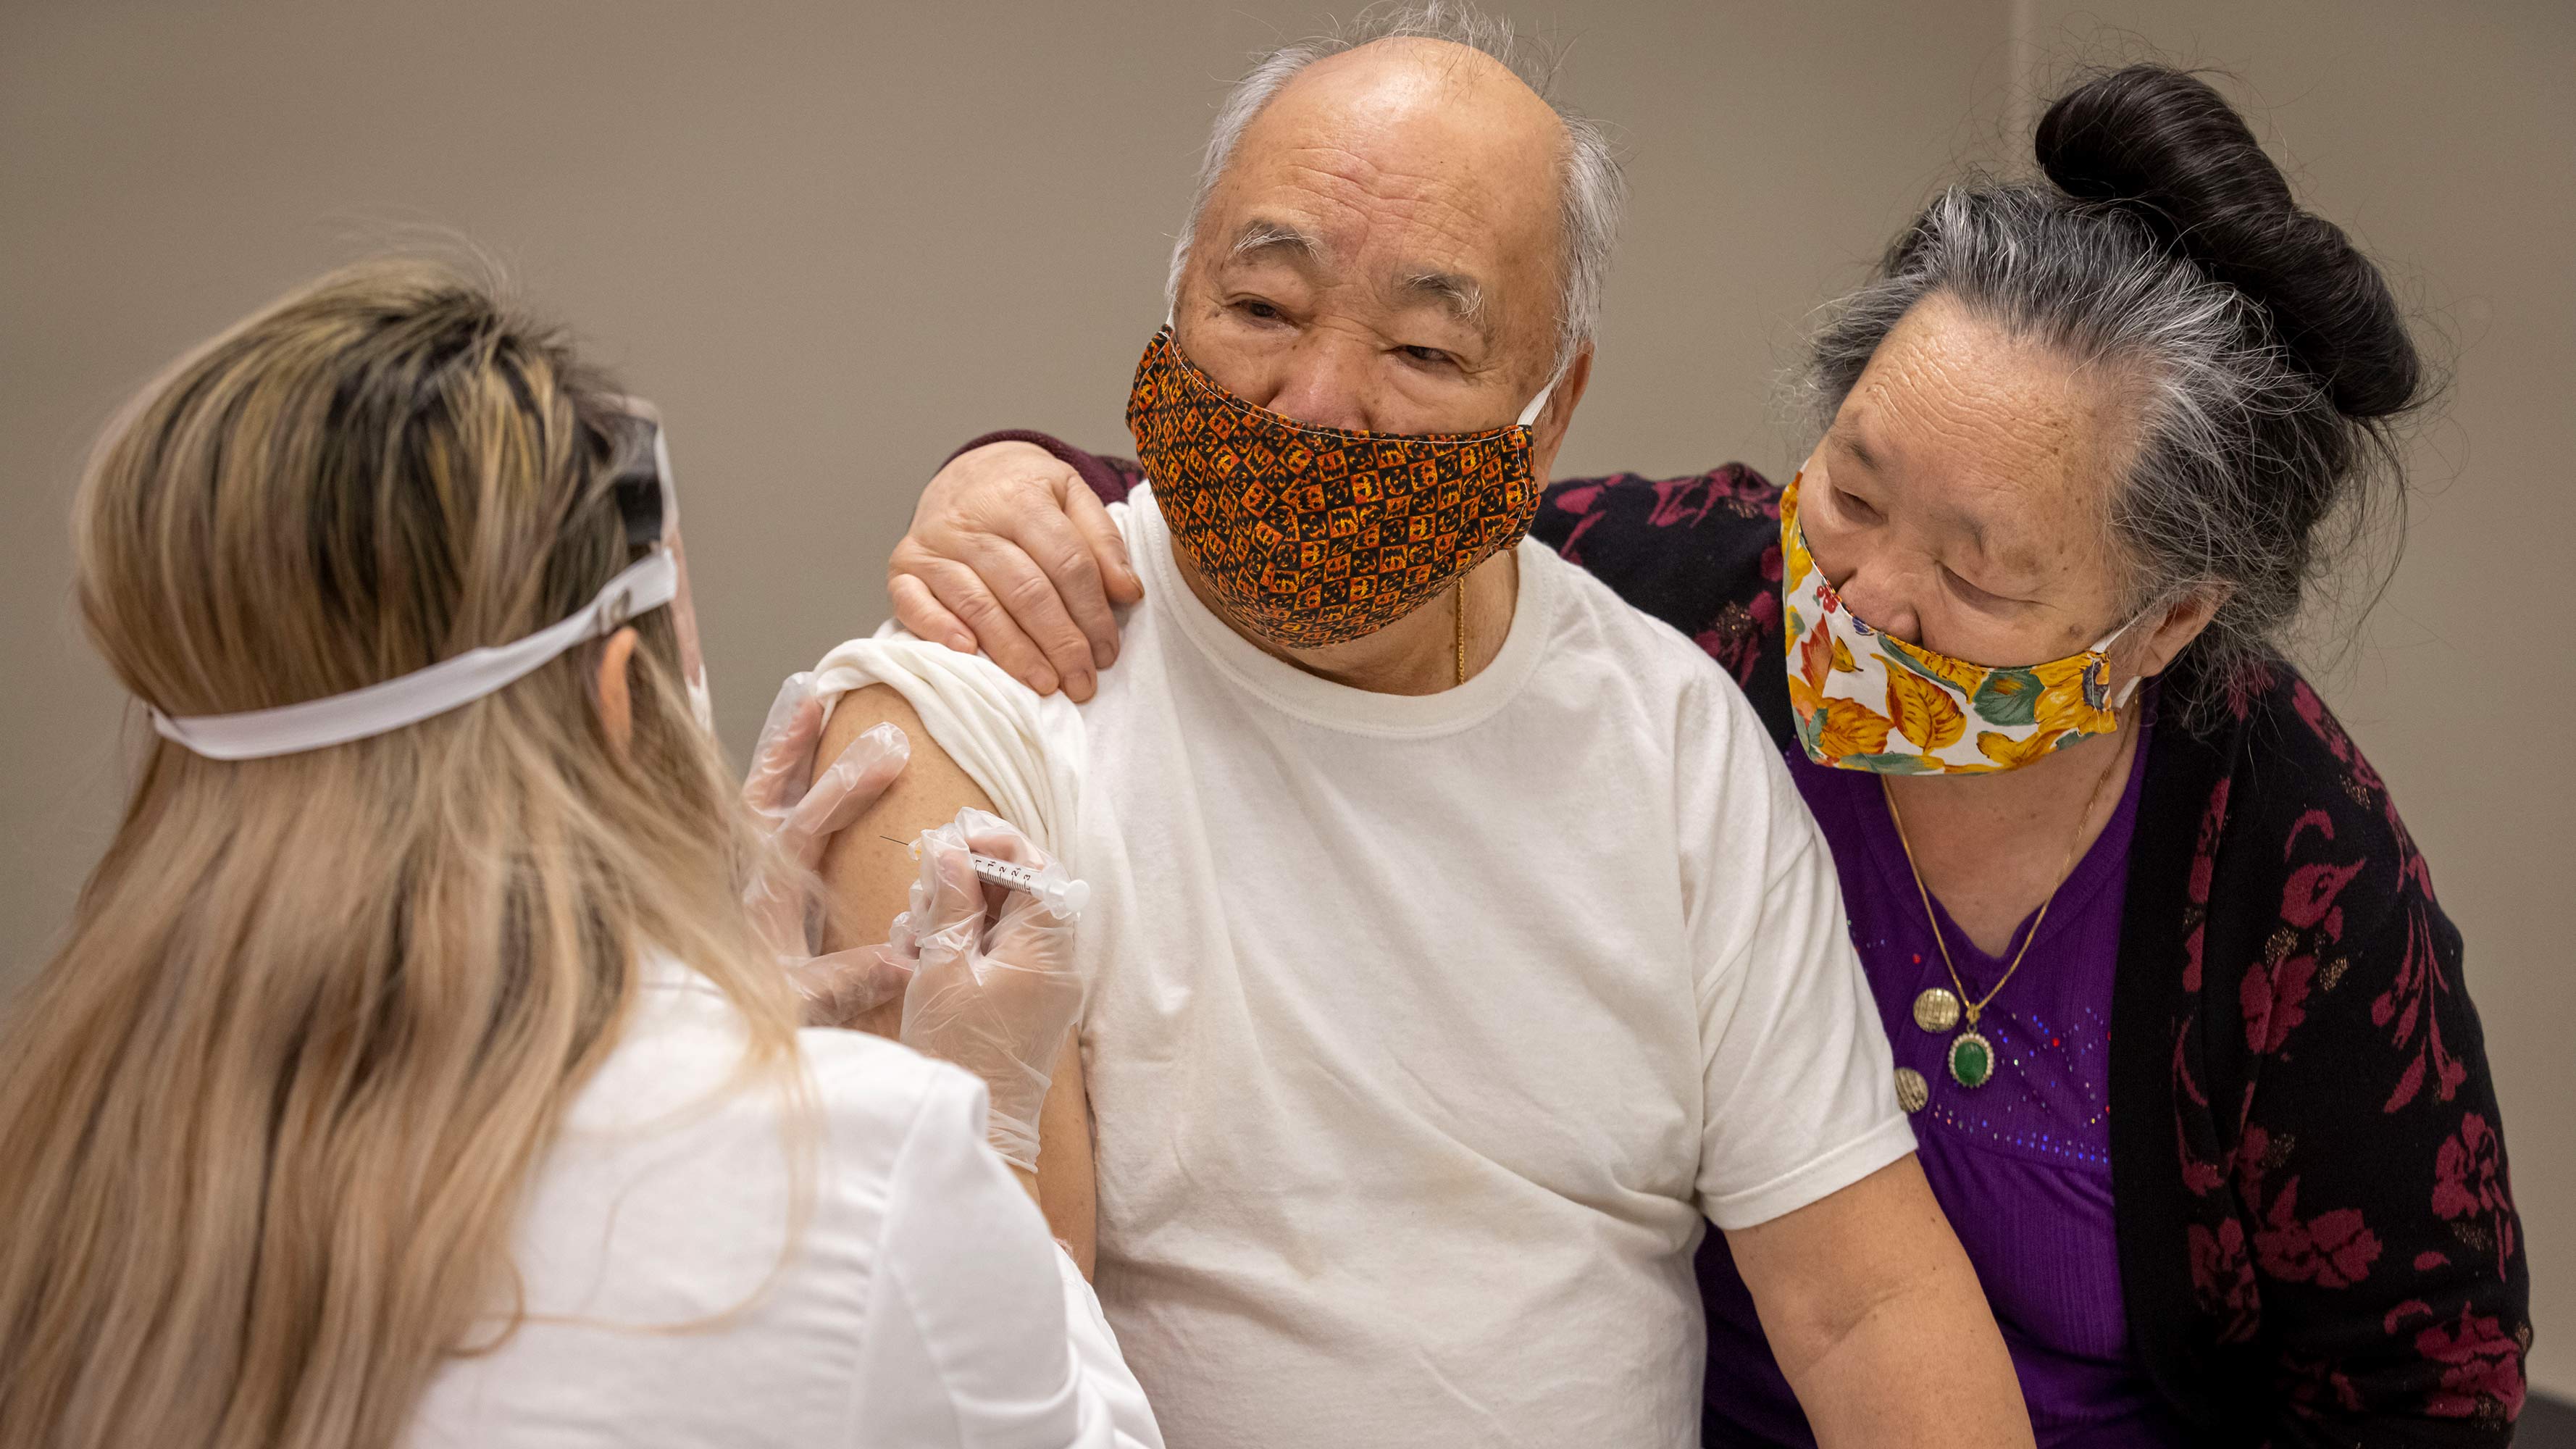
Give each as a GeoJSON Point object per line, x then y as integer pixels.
{"type": "Point", "coordinates": [2183, 1031]}
{"type": "Point", "coordinates": [414, 1072]}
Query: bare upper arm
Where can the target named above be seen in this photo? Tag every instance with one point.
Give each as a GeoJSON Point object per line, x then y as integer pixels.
{"type": "Point", "coordinates": [1068, 1187]}
{"type": "Point", "coordinates": [867, 882]}
{"type": "Point", "coordinates": [867, 879]}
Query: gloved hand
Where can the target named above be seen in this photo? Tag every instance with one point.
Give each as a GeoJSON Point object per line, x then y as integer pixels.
{"type": "Point", "coordinates": [800, 811]}
{"type": "Point", "coordinates": [995, 984]}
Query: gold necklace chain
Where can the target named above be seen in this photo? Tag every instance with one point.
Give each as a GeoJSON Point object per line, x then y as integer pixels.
{"type": "Point", "coordinates": [1462, 629]}
{"type": "Point", "coordinates": [1970, 1009]}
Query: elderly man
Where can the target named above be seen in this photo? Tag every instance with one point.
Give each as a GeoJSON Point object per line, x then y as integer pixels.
{"type": "Point", "coordinates": [1461, 943]}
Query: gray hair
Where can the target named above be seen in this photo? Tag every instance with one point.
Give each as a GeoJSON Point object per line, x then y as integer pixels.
{"type": "Point", "coordinates": [2265, 360]}
{"type": "Point", "coordinates": [2238, 453]}
{"type": "Point", "coordinates": [1594, 191]}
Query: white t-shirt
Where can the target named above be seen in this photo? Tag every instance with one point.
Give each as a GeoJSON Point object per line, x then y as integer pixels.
{"type": "Point", "coordinates": [924, 1303]}
{"type": "Point", "coordinates": [1426, 1028]}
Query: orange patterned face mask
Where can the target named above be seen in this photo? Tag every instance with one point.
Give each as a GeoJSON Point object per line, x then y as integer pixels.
{"type": "Point", "coordinates": [1315, 535]}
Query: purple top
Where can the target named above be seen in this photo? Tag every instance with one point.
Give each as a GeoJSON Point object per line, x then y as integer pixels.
{"type": "Point", "coordinates": [2021, 1165]}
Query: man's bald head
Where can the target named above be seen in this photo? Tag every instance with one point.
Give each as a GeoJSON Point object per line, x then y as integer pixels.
{"type": "Point", "coordinates": [1429, 111]}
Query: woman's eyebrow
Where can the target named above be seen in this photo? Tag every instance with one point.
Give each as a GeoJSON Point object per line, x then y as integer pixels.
{"type": "Point", "coordinates": [1848, 439]}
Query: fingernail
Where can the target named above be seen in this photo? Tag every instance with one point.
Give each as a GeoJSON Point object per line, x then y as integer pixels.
{"type": "Point", "coordinates": [1079, 687]}
{"type": "Point", "coordinates": [888, 737]}
{"type": "Point", "coordinates": [1046, 682]}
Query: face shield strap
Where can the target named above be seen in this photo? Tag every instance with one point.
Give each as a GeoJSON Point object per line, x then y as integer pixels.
{"type": "Point", "coordinates": [647, 584]}
{"type": "Point", "coordinates": [649, 505]}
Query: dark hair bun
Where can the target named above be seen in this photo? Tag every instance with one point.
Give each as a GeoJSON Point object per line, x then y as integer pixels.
{"type": "Point", "coordinates": [2163, 145]}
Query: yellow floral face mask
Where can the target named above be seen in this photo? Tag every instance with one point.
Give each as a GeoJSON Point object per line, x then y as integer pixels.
{"type": "Point", "coordinates": [1868, 701]}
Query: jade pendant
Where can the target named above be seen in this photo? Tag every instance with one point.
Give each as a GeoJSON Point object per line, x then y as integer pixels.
{"type": "Point", "coordinates": [1972, 1060]}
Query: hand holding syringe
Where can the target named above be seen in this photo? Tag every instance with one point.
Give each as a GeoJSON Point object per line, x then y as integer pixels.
{"type": "Point", "coordinates": [1051, 884]}
{"type": "Point", "coordinates": [995, 983]}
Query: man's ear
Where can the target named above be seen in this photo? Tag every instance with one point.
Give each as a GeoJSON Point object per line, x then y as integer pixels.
{"type": "Point", "coordinates": [2175, 627]}
{"type": "Point", "coordinates": [615, 687]}
{"type": "Point", "coordinates": [1558, 415]}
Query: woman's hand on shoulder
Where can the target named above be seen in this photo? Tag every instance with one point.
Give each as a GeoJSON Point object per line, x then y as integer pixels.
{"type": "Point", "coordinates": [995, 982]}
{"type": "Point", "coordinates": [1011, 554]}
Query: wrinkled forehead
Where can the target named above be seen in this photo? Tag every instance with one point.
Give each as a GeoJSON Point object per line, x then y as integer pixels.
{"type": "Point", "coordinates": [1973, 407]}
{"type": "Point", "coordinates": [2003, 439]}
{"type": "Point", "coordinates": [1381, 168]}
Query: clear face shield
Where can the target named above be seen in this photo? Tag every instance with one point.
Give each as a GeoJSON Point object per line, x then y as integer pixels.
{"type": "Point", "coordinates": [650, 504]}
{"type": "Point", "coordinates": [645, 500]}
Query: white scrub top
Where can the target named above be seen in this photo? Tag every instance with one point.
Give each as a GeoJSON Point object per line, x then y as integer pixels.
{"type": "Point", "coordinates": [919, 1302]}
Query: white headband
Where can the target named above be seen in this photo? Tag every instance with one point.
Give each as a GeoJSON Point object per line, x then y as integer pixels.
{"type": "Point", "coordinates": [642, 586]}
{"type": "Point", "coordinates": [646, 584]}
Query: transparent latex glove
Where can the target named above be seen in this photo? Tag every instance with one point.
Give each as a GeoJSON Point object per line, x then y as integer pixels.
{"type": "Point", "coordinates": [1011, 553]}
{"type": "Point", "coordinates": [800, 810]}
{"type": "Point", "coordinates": [995, 984]}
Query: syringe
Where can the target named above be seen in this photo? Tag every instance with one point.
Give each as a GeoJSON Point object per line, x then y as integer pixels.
{"type": "Point", "coordinates": [1053, 884]}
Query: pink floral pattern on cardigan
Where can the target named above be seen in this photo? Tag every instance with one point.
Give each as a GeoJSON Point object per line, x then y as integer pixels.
{"type": "Point", "coordinates": [2333, 1166]}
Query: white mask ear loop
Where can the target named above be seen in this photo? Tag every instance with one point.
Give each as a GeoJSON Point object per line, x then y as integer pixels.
{"type": "Point", "coordinates": [2129, 690]}
{"type": "Point", "coordinates": [1538, 404]}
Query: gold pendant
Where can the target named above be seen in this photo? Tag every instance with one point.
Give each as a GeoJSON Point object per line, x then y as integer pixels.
{"type": "Point", "coordinates": [1972, 1059]}
{"type": "Point", "coordinates": [1936, 1010]}
{"type": "Point", "coordinates": [1911, 1090]}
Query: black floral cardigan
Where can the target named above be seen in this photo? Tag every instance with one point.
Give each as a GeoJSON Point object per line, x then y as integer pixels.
{"type": "Point", "coordinates": [2317, 1237]}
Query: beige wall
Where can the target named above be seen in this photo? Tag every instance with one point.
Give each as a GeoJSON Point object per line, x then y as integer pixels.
{"type": "Point", "coordinates": [833, 240]}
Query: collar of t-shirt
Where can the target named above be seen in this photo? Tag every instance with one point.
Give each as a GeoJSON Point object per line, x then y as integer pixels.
{"type": "Point", "coordinates": [1337, 706]}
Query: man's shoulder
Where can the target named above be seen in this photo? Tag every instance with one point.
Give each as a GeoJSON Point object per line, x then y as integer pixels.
{"type": "Point", "coordinates": [1635, 673]}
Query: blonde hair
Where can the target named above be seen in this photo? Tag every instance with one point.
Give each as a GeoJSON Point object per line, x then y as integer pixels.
{"type": "Point", "coordinates": [270, 1114]}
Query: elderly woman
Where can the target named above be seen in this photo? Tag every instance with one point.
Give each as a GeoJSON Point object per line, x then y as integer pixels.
{"type": "Point", "coordinates": [2186, 1038]}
